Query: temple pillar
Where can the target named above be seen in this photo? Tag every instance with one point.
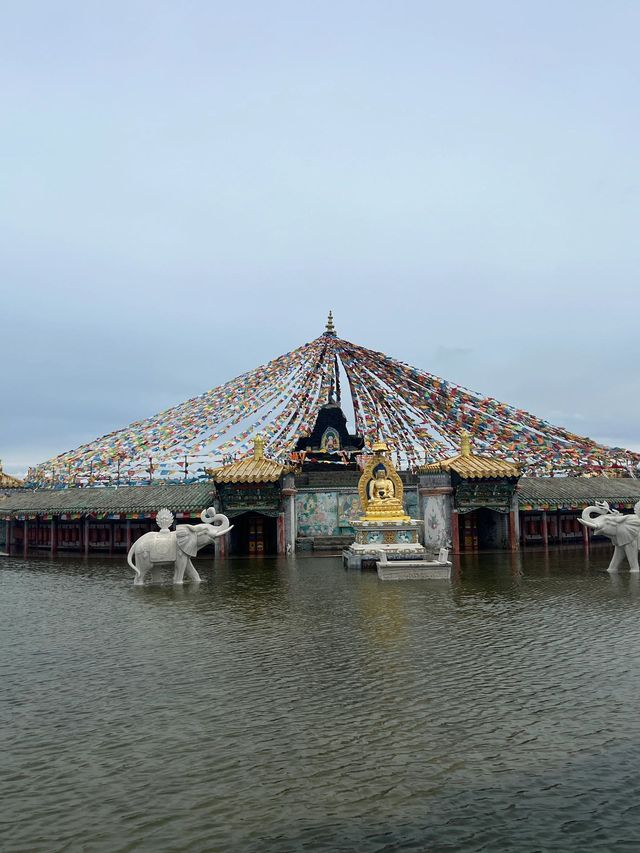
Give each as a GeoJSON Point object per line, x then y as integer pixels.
{"type": "Point", "coordinates": [25, 537]}
{"type": "Point", "coordinates": [54, 536]}
{"type": "Point", "coordinates": [9, 536]}
{"type": "Point", "coordinates": [111, 536]}
{"type": "Point", "coordinates": [220, 545]}
{"type": "Point", "coordinates": [290, 522]}
{"type": "Point", "coordinates": [455, 532]}
{"type": "Point", "coordinates": [128, 534]}
{"type": "Point", "coordinates": [86, 535]}
{"type": "Point", "coordinates": [280, 534]}
{"type": "Point", "coordinates": [514, 531]}
{"type": "Point", "coordinates": [545, 529]}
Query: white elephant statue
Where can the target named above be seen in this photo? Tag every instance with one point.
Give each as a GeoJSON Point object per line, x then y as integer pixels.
{"type": "Point", "coordinates": [153, 550]}
{"type": "Point", "coordinates": [623, 530]}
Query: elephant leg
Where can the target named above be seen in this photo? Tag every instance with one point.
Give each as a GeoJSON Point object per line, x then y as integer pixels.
{"type": "Point", "coordinates": [143, 567]}
{"type": "Point", "coordinates": [156, 573]}
{"type": "Point", "coordinates": [631, 551]}
{"type": "Point", "coordinates": [616, 560]}
{"type": "Point", "coordinates": [180, 568]}
{"type": "Point", "coordinates": [192, 572]}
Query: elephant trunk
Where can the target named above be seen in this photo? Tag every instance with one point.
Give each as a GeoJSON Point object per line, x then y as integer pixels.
{"type": "Point", "coordinates": [216, 519]}
{"type": "Point", "coordinates": [221, 523]}
{"type": "Point", "coordinates": [588, 513]}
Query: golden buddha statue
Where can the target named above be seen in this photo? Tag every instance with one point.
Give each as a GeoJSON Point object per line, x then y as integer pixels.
{"type": "Point", "coordinates": [381, 488]}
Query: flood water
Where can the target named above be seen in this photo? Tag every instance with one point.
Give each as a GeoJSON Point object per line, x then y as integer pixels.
{"type": "Point", "coordinates": [292, 706]}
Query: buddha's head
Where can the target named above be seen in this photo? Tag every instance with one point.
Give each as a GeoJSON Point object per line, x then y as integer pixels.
{"type": "Point", "coordinates": [380, 472]}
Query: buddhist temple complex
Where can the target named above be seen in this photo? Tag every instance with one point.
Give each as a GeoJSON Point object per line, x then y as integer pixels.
{"type": "Point", "coordinates": [272, 450]}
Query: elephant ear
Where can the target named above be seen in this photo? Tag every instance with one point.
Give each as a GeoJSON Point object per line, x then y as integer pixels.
{"type": "Point", "coordinates": [188, 541]}
{"type": "Point", "coordinates": [628, 530]}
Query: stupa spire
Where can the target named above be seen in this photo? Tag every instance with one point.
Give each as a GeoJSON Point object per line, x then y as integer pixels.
{"type": "Point", "coordinates": [330, 329]}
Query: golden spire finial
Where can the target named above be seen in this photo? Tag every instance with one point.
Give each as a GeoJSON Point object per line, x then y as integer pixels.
{"type": "Point", "coordinates": [258, 447]}
{"type": "Point", "coordinates": [330, 329]}
{"type": "Point", "coordinates": [465, 443]}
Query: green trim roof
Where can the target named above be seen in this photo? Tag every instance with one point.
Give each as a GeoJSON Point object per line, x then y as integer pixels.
{"type": "Point", "coordinates": [191, 496]}
{"type": "Point", "coordinates": [536, 492]}
{"type": "Point", "coordinates": [576, 491]}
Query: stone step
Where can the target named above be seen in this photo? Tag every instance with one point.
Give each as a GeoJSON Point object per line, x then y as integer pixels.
{"type": "Point", "coordinates": [331, 543]}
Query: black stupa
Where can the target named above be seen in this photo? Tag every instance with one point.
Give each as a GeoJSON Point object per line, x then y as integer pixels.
{"type": "Point", "coordinates": [330, 445]}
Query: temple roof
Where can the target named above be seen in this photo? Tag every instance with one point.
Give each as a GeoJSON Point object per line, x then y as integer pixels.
{"type": "Point", "coordinates": [469, 466]}
{"type": "Point", "coordinates": [541, 492]}
{"type": "Point", "coordinates": [255, 469]}
{"type": "Point", "coordinates": [176, 497]}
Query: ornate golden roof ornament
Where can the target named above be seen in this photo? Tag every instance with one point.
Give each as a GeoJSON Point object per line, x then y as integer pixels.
{"type": "Point", "coordinates": [381, 488]}
{"type": "Point", "coordinates": [256, 468]}
{"type": "Point", "coordinates": [470, 466]}
{"type": "Point", "coordinates": [330, 329]}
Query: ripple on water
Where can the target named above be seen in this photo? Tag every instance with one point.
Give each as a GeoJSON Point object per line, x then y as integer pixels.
{"type": "Point", "coordinates": [287, 706]}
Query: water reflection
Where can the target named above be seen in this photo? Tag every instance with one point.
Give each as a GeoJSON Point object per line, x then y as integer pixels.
{"type": "Point", "coordinates": [290, 705]}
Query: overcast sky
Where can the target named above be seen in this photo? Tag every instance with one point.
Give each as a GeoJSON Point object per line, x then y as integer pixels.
{"type": "Point", "coordinates": [187, 188]}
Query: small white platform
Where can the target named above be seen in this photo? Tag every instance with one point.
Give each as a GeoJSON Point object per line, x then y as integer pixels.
{"type": "Point", "coordinates": [410, 570]}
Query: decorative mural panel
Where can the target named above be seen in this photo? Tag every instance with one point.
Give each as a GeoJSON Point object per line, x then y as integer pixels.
{"type": "Point", "coordinates": [317, 513]}
{"type": "Point", "coordinates": [405, 536]}
{"type": "Point", "coordinates": [250, 496]}
{"type": "Point", "coordinates": [491, 494]}
{"type": "Point", "coordinates": [330, 441]}
{"type": "Point", "coordinates": [436, 521]}
{"type": "Point", "coordinates": [374, 536]}
{"type": "Point", "coordinates": [349, 510]}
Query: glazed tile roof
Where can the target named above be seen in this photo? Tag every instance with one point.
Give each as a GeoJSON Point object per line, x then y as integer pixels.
{"type": "Point", "coordinates": [178, 497]}
{"type": "Point", "coordinates": [469, 466]}
{"type": "Point", "coordinates": [253, 469]}
{"type": "Point", "coordinates": [473, 467]}
{"type": "Point", "coordinates": [248, 471]}
{"type": "Point", "coordinates": [576, 491]}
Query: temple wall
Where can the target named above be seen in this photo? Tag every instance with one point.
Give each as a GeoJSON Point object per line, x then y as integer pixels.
{"type": "Point", "coordinates": [331, 512]}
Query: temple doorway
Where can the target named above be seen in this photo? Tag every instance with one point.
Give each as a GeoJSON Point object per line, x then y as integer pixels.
{"type": "Point", "coordinates": [484, 530]}
{"type": "Point", "coordinates": [254, 535]}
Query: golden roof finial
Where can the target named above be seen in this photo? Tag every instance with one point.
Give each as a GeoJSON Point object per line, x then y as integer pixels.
{"type": "Point", "coordinates": [380, 447]}
{"type": "Point", "coordinates": [258, 447]}
{"type": "Point", "coordinates": [330, 329]}
{"type": "Point", "coordinates": [465, 443]}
